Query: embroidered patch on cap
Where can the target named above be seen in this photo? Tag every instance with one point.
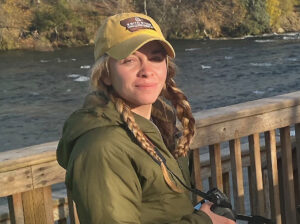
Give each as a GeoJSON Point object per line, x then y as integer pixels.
{"type": "Point", "coordinates": [136, 23]}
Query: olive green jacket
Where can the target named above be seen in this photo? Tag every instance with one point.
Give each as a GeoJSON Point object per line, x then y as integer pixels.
{"type": "Point", "coordinates": [111, 178]}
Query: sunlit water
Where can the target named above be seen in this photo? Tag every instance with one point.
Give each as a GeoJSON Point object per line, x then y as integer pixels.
{"type": "Point", "coordinates": [38, 90]}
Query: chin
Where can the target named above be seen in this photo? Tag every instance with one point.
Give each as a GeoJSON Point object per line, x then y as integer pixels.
{"type": "Point", "coordinates": [147, 101]}
{"type": "Point", "coordinates": [140, 101]}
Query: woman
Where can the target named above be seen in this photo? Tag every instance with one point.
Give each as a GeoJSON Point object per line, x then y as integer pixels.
{"type": "Point", "coordinates": [118, 148]}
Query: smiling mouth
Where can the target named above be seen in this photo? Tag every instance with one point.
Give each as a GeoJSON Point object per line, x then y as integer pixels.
{"type": "Point", "coordinates": [146, 85]}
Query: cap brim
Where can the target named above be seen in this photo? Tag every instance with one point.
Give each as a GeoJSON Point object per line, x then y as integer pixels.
{"type": "Point", "coordinates": [127, 47]}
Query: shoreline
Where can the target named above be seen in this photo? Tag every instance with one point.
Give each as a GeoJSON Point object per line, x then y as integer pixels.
{"type": "Point", "coordinates": [39, 46]}
{"type": "Point", "coordinates": [44, 26]}
{"type": "Point", "coordinates": [274, 34]}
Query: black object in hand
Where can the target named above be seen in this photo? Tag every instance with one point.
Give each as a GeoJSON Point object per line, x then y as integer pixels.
{"type": "Point", "coordinates": [226, 212]}
{"type": "Point", "coordinates": [221, 204]}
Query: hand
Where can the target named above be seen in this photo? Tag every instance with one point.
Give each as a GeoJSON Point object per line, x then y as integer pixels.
{"type": "Point", "coordinates": [216, 219]}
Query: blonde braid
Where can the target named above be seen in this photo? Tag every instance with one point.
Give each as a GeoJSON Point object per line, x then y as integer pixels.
{"type": "Point", "coordinates": [183, 112]}
{"type": "Point", "coordinates": [127, 116]}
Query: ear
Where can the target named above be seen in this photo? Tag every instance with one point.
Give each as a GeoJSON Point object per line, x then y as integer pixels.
{"type": "Point", "coordinates": [106, 79]}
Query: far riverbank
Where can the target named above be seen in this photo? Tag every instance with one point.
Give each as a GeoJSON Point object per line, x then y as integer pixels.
{"type": "Point", "coordinates": [50, 25]}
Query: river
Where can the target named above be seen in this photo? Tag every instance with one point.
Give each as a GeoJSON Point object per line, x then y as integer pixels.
{"type": "Point", "coordinates": [38, 90]}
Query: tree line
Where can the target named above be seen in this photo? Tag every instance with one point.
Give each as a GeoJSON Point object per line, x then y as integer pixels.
{"type": "Point", "coordinates": [56, 23]}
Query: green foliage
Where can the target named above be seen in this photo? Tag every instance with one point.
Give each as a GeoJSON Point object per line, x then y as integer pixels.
{"type": "Point", "coordinates": [178, 19]}
{"type": "Point", "coordinates": [235, 31]}
{"type": "Point", "coordinates": [257, 20]}
{"type": "Point", "coordinates": [59, 22]}
{"type": "Point", "coordinates": [164, 12]}
{"type": "Point", "coordinates": [7, 41]}
{"type": "Point", "coordinates": [14, 14]}
{"type": "Point", "coordinates": [49, 17]}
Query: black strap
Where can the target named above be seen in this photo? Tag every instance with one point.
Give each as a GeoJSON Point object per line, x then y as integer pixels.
{"type": "Point", "coordinates": [212, 197]}
{"type": "Point", "coordinates": [160, 156]}
{"type": "Point", "coordinates": [254, 219]}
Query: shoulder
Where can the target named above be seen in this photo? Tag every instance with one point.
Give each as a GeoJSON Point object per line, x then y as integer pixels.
{"type": "Point", "coordinates": [103, 140]}
{"type": "Point", "coordinates": [99, 149]}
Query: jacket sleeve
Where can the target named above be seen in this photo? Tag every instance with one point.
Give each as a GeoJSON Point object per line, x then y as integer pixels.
{"type": "Point", "coordinates": [105, 186]}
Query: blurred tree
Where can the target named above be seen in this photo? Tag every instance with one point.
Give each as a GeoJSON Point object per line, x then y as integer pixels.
{"type": "Point", "coordinates": [163, 11]}
{"type": "Point", "coordinates": [287, 6]}
{"type": "Point", "coordinates": [14, 14]}
{"type": "Point", "coordinates": [52, 16]}
{"type": "Point", "coordinates": [257, 20]}
{"type": "Point", "coordinates": [274, 11]}
{"type": "Point", "coordinates": [145, 7]}
{"type": "Point", "coordinates": [73, 22]}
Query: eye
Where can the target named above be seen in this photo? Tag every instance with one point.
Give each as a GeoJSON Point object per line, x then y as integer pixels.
{"type": "Point", "coordinates": [129, 60]}
{"type": "Point", "coordinates": [126, 61]}
{"type": "Point", "coordinates": [158, 58]}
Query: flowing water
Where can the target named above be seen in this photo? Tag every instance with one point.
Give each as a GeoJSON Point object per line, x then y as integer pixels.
{"type": "Point", "coordinates": [39, 90]}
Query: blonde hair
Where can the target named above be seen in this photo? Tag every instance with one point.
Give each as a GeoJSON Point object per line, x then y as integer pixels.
{"type": "Point", "coordinates": [169, 92]}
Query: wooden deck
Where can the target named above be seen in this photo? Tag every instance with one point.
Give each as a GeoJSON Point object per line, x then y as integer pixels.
{"type": "Point", "coordinates": [270, 156]}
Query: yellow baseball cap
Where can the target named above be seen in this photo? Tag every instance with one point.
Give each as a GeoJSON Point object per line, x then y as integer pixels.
{"type": "Point", "coordinates": [122, 34]}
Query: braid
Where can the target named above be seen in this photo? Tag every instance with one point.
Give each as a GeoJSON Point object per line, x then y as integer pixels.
{"type": "Point", "coordinates": [128, 118]}
{"type": "Point", "coordinates": [183, 112]}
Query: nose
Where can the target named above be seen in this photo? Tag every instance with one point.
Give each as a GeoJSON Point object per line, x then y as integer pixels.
{"type": "Point", "coordinates": [146, 68]}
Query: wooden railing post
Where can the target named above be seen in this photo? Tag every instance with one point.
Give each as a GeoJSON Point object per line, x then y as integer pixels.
{"type": "Point", "coordinates": [237, 175]}
{"type": "Point", "coordinates": [297, 133]}
{"type": "Point", "coordinates": [197, 172]}
{"type": "Point", "coordinates": [256, 175]}
{"type": "Point", "coordinates": [226, 184]}
{"type": "Point", "coordinates": [16, 209]}
{"type": "Point", "coordinates": [37, 206]}
{"type": "Point", "coordinates": [251, 191]}
{"type": "Point", "coordinates": [270, 142]}
{"type": "Point", "coordinates": [216, 166]}
{"type": "Point", "coordinates": [287, 176]}
{"type": "Point", "coordinates": [266, 194]}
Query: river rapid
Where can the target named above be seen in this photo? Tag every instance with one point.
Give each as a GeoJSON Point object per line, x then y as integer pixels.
{"type": "Point", "coordinates": [39, 90]}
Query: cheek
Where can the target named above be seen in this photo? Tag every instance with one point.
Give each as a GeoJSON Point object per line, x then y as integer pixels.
{"type": "Point", "coordinates": [117, 75]}
{"type": "Point", "coordinates": [163, 75]}
{"type": "Point", "coordinates": [120, 81]}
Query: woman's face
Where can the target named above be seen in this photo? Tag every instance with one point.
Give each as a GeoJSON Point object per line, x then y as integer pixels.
{"type": "Point", "coordinates": [140, 77]}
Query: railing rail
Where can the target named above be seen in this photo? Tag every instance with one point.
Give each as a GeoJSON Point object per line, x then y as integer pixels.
{"type": "Point", "coordinates": [272, 164]}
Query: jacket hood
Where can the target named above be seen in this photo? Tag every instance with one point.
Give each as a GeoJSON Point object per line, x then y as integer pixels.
{"type": "Point", "coordinates": [97, 111]}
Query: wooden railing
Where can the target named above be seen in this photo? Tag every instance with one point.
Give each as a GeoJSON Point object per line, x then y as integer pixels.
{"type": "Point", "coordinates": [269, 155]}
{"type": "Point", "coordinates": [272, 181]}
